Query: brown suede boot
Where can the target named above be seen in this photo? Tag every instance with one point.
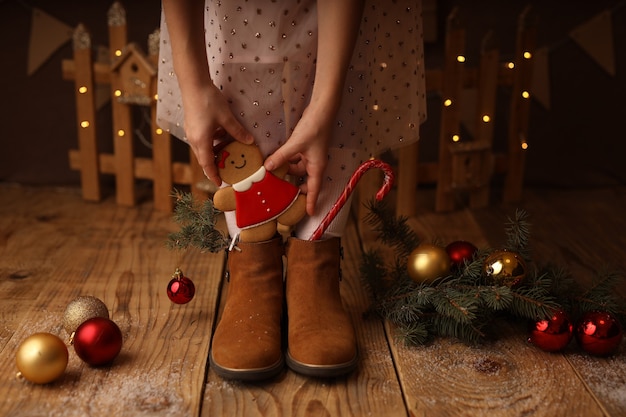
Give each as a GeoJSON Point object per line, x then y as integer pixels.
{"type": "Point", "coordinates": [247, 340]}
{"type": "Point", "coordinates": [321, 338]}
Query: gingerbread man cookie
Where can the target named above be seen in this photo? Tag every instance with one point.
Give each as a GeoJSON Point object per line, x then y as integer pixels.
{"type": "Point", "coordinates": [261, 199]}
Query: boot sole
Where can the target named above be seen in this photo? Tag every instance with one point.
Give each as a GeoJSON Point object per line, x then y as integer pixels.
{"type": "Point", "coordinates": [253, 374]}
{"type": "Point", "coordinates": [322, 371]}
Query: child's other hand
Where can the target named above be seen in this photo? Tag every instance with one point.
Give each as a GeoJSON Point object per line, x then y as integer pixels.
{"type": "Point", "coordinates": [306, 151]}
{"type": "Point", "coordinates": [208, 117]}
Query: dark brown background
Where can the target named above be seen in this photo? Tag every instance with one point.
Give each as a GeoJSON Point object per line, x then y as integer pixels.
{"type": "Point", "coordinates": [581, 140]}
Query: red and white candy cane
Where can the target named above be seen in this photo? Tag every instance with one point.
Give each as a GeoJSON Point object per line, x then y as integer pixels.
{"type": "Point", "coordinates": [354, 179]}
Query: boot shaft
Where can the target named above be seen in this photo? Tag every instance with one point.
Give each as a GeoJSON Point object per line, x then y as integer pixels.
{"type": "Point", "coordinates": [321, 338]}
{"type": "Point", "coordinates": [247, 340]}
{"type": "Point", "coordinates": [322, 257]}
{"type": "Point", "coordinates": [256, 262]}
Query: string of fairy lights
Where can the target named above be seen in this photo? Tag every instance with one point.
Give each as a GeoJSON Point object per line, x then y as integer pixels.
{"type": "Point", "coordinates": [487, 118]}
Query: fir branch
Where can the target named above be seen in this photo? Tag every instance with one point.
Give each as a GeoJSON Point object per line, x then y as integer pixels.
{"type": "Point", "coordinates": [419, 296]}
{"type": "Point", "coordinates": [400, 304]}
{"type": "Point", "coordinates": [496, 298]}
{"type": "Point", "coordinates": [198, 225]}
{"type": "Point", "coordinates": [518, 233]}
{"type": "Point", "coordinates": [424, 295]}
{"type": "Point", "coordinates": [542, 282]}
{"type": "Point", "coordinates": [392, 230]}
{"type": "Point", "coordinates": [462, 304]}
{"type": "Point", "coordinates": [456, 305]}
{"type": "Point", "coordinates": [604, 285]}
{"type": "Point", "coordinates": [473, 272]}
{"type": "Point", "coordinates": [602, 295]}
{"type": "Point", "coordinates": [468, 332]}
{"type": "Point", "coordinates": [401, 312]}
{"type": "Point", "coordinates": [563, 284]}
{"type": "Point", "coordinates": [415, 333]}
{"type": "Point", "coordinates": [532, 303]}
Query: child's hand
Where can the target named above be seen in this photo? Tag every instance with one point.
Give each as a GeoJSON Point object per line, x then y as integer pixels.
{"type": "Point", "coordinates": [208, 117]}
{"type": "Point", "coordinates": [306, 151]}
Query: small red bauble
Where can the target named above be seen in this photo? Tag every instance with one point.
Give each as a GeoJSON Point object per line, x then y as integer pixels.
{"type": "Point", "coordinates": [180, 290]}
{"type": "Point", "coordinates": [98, 341]}
{"type": "Point", "coordinates": [599, 333]}
{"type": "Point", "coordinates": [460, 251]}
{"type": "Point", "coordinates": [553, 334]}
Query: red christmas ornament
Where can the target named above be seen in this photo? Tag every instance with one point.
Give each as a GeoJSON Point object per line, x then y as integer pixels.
{"type": "Point", "coordinates": [180, 289]}
{"type": "Point", "coordinates": [98, 341]}
{"type": "Point", "coordinates": [553, 334]}
{"type": "Point", "coordinates": [599, 333]}
{"type": "Point", "coordinates": [460, 251]}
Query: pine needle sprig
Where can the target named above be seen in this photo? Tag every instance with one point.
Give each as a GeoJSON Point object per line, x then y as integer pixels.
{"type": "Point", "coordinates": [400, 311]}
{"type": "Point", "coordinates": [391, 230]}
{"type": "Point", "coordinates": [414, 333]}
{"type": "Point", "coordinates": [602, 295]}
{"type": "Point", "coordinates": [542, 281]}
{"type": "Point", "coordinates": [424, 295]}
{"type": "Point", "coordinates": [533, 303]}
{"type": "Point", "coordinates": [455, 304]}
{"type": "Point", "coordinates": [563, 284]}
{"type": "Point", "coordinates": [468, 332]}
{"type": "Point", "coordinates": [496, 298]}
{"type": "Point", "coordinates": [198, 222]}
{"type": "Point", "coordinates": [473, 271]}
{"type": "Point", "coordinates": [401, 304]}
{"type": "Point", "coordinates": [517, 231]}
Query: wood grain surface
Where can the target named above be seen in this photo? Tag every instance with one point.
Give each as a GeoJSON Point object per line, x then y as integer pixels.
{"type": "Point", "coordinates": [54, 246]}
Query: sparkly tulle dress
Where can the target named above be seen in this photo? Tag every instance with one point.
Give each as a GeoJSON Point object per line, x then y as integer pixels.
{"type": "Point", "coordinates": [262, 56]}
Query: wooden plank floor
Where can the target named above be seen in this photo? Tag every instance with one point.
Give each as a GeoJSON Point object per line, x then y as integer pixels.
{"type": "Point", "coordinates": [54, 247]}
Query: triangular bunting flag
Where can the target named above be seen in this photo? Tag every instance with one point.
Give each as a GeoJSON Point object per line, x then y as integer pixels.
{"type": "Point", "coordinates": [47, 34]}
{"type": "Point", "coordinates": [596, 38]}
{"type": "Point", "coordinates": [540, 86]}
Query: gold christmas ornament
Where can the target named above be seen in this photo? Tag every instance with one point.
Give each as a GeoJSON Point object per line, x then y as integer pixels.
{"type": "Point", "coordinates": [82, 309]}
{"type": "Point", "coordinates": [428, 262]}
{"type": "Point", "coordinates": [41, 358]}
{"type": "Point", "coordinates": [505, 268]}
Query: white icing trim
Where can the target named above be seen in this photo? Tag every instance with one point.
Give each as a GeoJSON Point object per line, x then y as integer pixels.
{"type": "Point", "coordinates": [246, 183]}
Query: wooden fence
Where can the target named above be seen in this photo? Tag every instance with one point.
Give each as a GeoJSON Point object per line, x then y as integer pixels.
{"type": "Point", "coordinates": [132, 77]}
{"type": "Point", "coordinates": [467, 165]}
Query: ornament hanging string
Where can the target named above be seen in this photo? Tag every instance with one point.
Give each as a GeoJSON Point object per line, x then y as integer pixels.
{"type": "Point", "coordinates": [354, 179]}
